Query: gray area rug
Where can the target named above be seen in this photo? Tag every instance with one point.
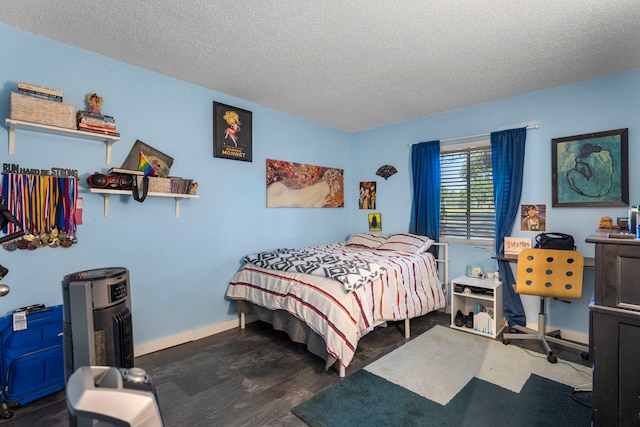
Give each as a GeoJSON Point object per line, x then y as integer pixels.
{"type": "Point", "coordinates": [452, 378]}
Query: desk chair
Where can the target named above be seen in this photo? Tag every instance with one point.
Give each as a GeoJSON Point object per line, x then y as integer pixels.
{"type": "Point", "coordinates": [548, 273]}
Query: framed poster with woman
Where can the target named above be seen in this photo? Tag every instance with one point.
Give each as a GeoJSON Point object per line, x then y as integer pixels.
{"type": "Point", "coordinates": [232, 129]}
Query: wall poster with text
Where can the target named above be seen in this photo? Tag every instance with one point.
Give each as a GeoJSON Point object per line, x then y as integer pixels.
{"type": "Point", "coordinates": [232, 129]}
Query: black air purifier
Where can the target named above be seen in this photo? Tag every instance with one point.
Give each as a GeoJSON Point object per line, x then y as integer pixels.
{"type": "Point", "coordinates": [97, 319]}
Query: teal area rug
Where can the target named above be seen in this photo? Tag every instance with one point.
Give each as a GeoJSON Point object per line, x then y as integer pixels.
{"type": "Point", "coordinates": [446, 377]}
{"type": "Point", "coordinates": [440, 362]}
{"type": "Point", "coordinates": [367, 399]}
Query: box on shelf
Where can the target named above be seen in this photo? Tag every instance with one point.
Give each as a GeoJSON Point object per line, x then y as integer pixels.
{"type": "Point", "coordinates": [35, 110]}
{"type": "Point", "coordinates": [482, 322]}
{"type": "Point", "coordinates": [159, 185]}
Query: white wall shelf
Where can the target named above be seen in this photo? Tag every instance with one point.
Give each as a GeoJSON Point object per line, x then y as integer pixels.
{"type": "Point", "coordinates": [36, 127]}
{"type": "Point", "coordinates": [107, 194]}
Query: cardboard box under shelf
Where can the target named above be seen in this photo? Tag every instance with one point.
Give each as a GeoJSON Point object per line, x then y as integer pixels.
{"type": "Point", "coordinates": [35, 110]}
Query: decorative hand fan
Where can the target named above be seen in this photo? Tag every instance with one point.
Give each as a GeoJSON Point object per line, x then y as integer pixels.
{"type": "Point", "coordinates": [386, 171]}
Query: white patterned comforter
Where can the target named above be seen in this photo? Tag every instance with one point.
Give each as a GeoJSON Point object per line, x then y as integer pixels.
{"type": "Point", "coordinates": [408, 287]}
{"type": "Point", "coordinates": [352, 272]}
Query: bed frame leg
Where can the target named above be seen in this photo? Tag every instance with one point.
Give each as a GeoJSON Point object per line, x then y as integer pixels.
{"type": "Point", "coordinates": [342, 370]}
{"type": "Point", "coordinates": [242, 320]}
{"type": "Point", "coordinates": [407, 328]}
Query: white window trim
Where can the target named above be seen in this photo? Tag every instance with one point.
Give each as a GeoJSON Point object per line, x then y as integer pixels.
{"type": "Point", "coordinates": [445, 148]}
{"type": "Point", "coordinates": [475, 241]}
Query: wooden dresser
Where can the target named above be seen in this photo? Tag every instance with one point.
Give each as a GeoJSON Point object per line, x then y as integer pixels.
{"type": "Point", "coordinates": [614, 332]}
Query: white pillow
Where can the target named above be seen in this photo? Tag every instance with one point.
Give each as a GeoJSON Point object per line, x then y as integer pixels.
{"type": "Point", "coordinates": [406, 242]}
{"type": "Point", "coordinates": [365, 240]}
{"type": "Point", "coordinates": [426, 245]}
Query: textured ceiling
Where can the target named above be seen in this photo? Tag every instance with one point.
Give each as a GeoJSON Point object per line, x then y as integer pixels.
{"type": "Point", "coordinates": [352, 65]}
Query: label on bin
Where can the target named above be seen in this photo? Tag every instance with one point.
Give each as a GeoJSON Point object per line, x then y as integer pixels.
{"type": "Point", "coordinates": [19, 320]}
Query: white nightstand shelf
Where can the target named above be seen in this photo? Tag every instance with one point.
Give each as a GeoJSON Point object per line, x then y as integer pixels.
{"type": "Point", "coordinates": [469, 302]}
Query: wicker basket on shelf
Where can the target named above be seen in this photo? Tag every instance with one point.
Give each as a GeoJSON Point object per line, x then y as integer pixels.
{"type": "Point", "coordinates": [35, 110]}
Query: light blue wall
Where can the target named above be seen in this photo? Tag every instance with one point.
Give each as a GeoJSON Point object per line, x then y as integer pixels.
{"type": "Point", "coordinates": [179, 267]}
{"type": "Point", "coordinates": [603, 104]}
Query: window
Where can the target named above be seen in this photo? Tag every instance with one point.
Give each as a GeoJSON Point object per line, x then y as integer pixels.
{"type": "Point", "coordinates": [466, 193]}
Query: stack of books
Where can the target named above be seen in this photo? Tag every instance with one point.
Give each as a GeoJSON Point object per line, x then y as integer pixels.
{"type": "Point", "coordinates": [180, 185]}
{"type": "Point", "coordinates": [96, 123]}
{"type": "Point", "coordinates": [41, 92]}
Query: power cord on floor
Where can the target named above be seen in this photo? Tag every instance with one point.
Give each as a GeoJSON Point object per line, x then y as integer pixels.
{"type": "Point", "coordinates": [584, 388]}
{"type": "Point", "coordinates": [532, 354]}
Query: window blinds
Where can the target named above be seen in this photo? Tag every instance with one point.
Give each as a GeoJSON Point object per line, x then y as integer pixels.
{"type": "Point", "coordinates": [466, 194]}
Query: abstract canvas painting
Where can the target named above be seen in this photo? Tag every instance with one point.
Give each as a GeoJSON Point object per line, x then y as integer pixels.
{"type": "Point", "coordinates": [591, 169]}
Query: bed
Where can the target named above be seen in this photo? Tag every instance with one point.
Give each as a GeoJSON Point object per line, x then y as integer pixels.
{"type": "Point", "coordinates": [328, 297]}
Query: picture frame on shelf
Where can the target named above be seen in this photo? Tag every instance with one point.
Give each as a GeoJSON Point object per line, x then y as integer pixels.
{"type": "Point", "coordinates": [160, 161]}
{"type": "Point", "coordinates": [232, 133]}
{"type": "Point", "coordinates": [591, 169]}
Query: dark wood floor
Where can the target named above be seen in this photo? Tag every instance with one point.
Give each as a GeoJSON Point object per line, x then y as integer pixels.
{"type": "Point", "coordinates": [244, 378]}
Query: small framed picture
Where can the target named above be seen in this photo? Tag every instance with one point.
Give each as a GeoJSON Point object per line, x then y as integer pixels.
{"type": "Point", "coordinates": [232, 128]}
{"type": "Point", "coordinates": [375, 222]}
{"type": "Point", "coordinates": [367, 197]}
{"type": "Point", "coordinates": [533, 217]}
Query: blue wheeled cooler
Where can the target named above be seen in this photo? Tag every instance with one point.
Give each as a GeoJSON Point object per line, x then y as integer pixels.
{"type": "Point", "coordinates": [32, 357]}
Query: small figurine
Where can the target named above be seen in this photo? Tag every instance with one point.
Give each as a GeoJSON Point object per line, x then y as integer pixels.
{"type": "Point", "coordinates": [95, 103]}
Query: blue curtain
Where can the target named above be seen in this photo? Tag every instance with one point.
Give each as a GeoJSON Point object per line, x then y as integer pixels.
{"type": "Point", "coordinates": [507, 151]}
{"type": "Point", "coordinates": [425, 211]}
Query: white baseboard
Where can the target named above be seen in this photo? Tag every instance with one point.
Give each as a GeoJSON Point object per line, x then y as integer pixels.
{"type": "Point", "coordinates": [174, 340]}
{"type": "Point", "coordinates": [185, 337]}
{"type": "Point", "coordinates": [566, 334]}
